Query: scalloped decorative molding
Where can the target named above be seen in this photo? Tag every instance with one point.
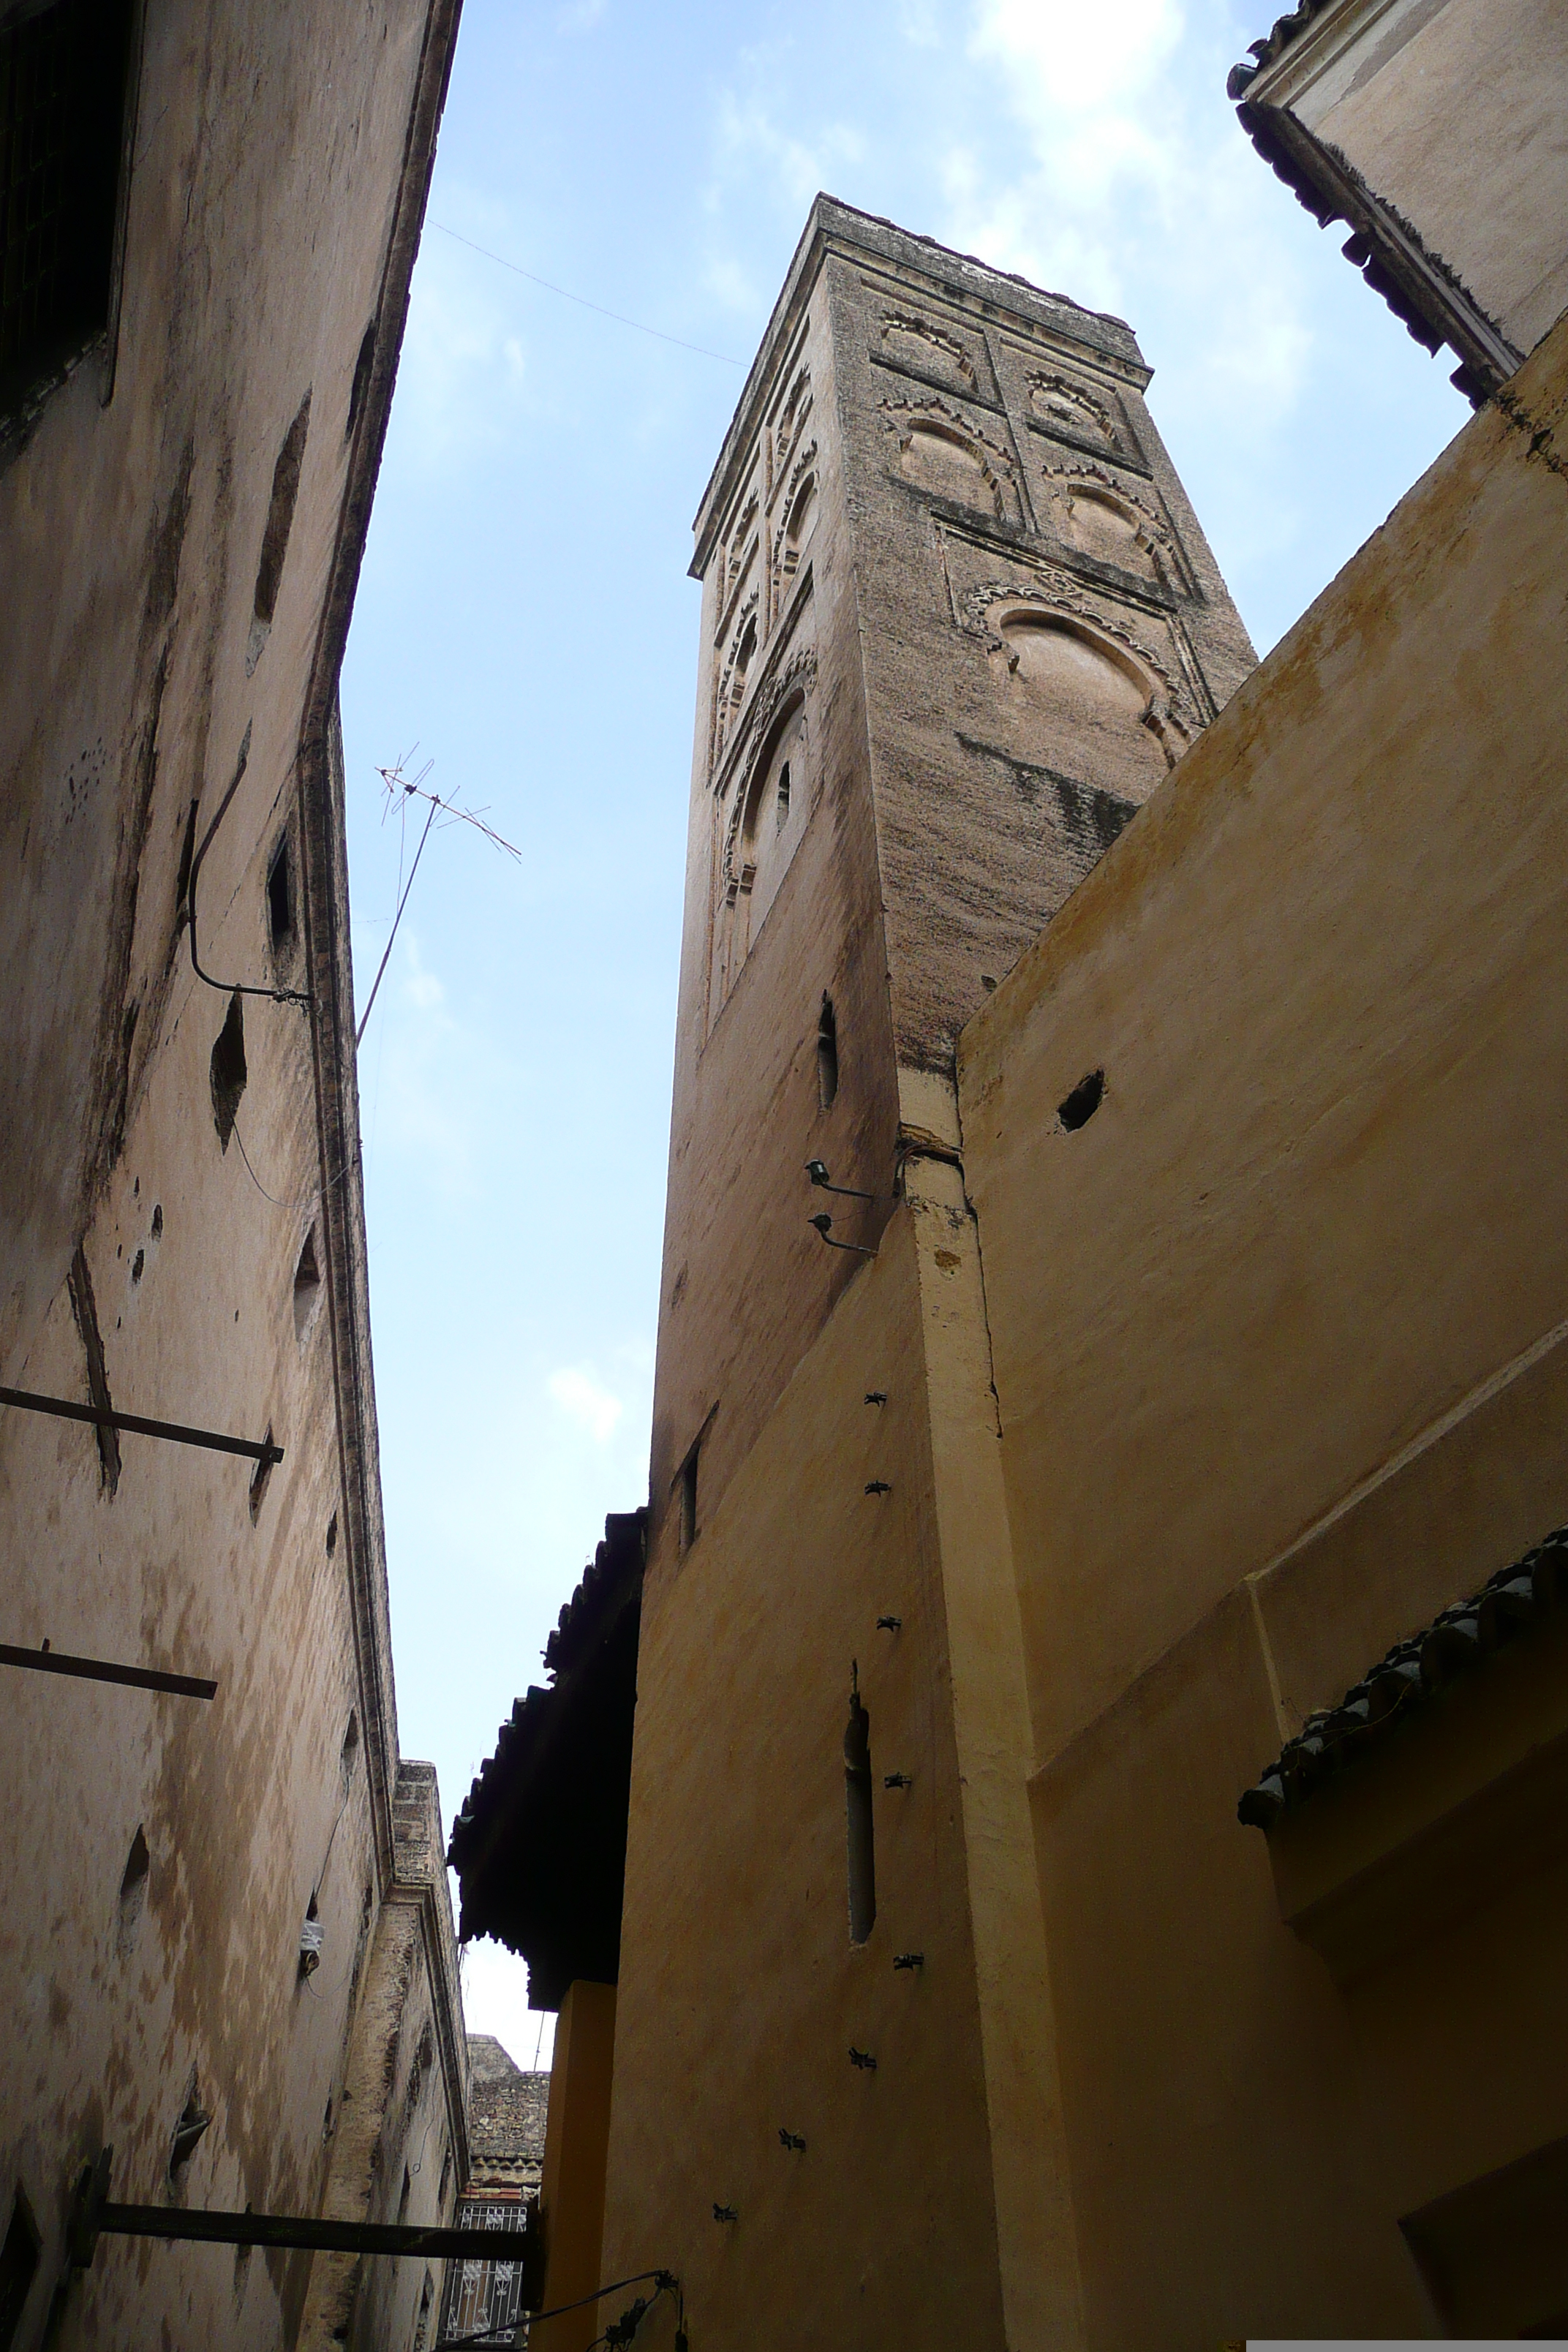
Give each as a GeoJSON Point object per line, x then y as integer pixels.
{"type": "Point", "coordinates": [730, 693]}
{"type": "Point", "coordinates": [805, 463]}
{"type": "Point", "coordinates": [797, 409]}
{"type": "Point", "coordinates": [1077, 395]}
{"type": "Point", "coordinates": [906, 322]}
{"type": "Point", "coordinates": [902, 417]}
{"type": "Point", "coordinates": [1153, 535]}
{"type": "Point", "coordinates": [1170, 713]}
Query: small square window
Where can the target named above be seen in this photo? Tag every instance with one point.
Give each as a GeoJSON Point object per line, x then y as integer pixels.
{"type": "Point", "coordinates": [62, 102]}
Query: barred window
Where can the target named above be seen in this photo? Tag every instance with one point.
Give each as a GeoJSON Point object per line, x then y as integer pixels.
{"type": "Point", "coordinates": [62, 104]}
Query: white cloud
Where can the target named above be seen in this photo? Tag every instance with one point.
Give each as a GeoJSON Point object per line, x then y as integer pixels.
{"type": "Point", "coordinates": [1067, 57]}
{"type": "Point", "coordinates": [584, 1400]}
{"type": "Point", "coordinates": [464, 362]}
{"type": "Point", "coordinates": [495, 2001]}
{"type": "Point", "coordinates": [1138, 194]}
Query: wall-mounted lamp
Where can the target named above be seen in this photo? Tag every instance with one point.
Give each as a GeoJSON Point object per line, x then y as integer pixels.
{"type": "Point", "coordinates": [818, 1173]}
{"type": "Point", "coordinates": [863, 2059]}
{"type": "Point", "coordinates": [791, 2139]}
{"type": "Point", "coordinates": [898, 1780]}
{"type": "Point", "coordinates": [725, 2213]}
{"type": "Point", "coordinates": [890, 1624]}
{"type": "Point", "coordinates": [908, 1960]}
{"type": "Point", "coordinates": [823, 1222]}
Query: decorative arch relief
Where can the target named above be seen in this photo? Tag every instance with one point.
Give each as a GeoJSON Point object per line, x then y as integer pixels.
{"type": "Point", "coordinates": [940, 450]}
{"type": "Point", "coordinates": [908, 340]}
{"type": "Point", "coordinates": [738, 666]}
{"type": "Point", "coordinates": [796, 515]}
{"type": "Point", "coordinates": [1092, 693]}
{"type": "Point", "coordinates": [1061, 403]}
{"type": "Point", "coordinates": [1105, 519]}
{"type": "Point", "coordinates": [792, 416]}
{"type": "Point", "coordinates": [761, 811]}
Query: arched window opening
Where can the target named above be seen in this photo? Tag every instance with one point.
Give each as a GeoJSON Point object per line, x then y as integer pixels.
{"type": "Point", "coordinates": [827, 1054]}
{"type": "Point", "coordinates": [801, 523]}
{"type": "Point", "coordinates": [858, 1802]}
{"type": "Point", "coordinates": [781, 800]}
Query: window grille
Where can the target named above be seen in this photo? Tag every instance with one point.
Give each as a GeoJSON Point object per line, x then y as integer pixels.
{"type": "Point", "coordinates": [484, 2295]}
{"type": "Point", "coordinates": [62, 92]}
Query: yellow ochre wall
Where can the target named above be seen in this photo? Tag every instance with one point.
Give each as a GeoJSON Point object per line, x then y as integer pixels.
{"type": "Point", "coordinates": [740, 1993]}
{"type": "Point", "coordinates": [1278, 1347]}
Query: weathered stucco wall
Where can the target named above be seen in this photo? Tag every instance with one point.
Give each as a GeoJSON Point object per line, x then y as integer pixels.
{"type": "Point", "coordinates": [163, 1855]}
{"type": "Point", "coordinates": [1278, 1344]}
{"type": "Point", "coordinates": [741, 1992]}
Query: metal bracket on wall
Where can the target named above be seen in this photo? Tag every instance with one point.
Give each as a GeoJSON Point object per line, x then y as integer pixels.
{"type": "Point", "coordinates": [93, 2215]}
{"type": "Point", "coordinates": [256, 1449]}
{"type": "Point", "coordinates": [99, 1670]}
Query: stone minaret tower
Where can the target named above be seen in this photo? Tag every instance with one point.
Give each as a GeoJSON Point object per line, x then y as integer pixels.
{"type": "Point", "coordinates": [958, 622]}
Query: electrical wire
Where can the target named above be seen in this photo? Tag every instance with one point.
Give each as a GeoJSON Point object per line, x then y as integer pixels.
{"type": "Point", "coordinates": [621, 320]}
{"type": "Point", "coordinates": [305, 1200]}
{"type": "Point", "coordinates": [668, 2284]}
{"type": "Point", "coordinates": [225, 987]}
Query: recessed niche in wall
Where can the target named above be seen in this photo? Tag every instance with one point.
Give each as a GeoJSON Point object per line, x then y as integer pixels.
{"type": "Point", "coordinates": [1102, 525]}
{"type": "Point", "coordinates": [914, 344]}
{"type": "Point", "coordinates": [1075, 411]}
{"type": "Point", "coordinates": [1084, 702]}
{"type": "Point", "coordinates": [945, 461]}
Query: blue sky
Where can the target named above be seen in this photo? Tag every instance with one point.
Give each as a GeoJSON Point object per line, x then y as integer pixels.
{"type": "Point", "coordinates": [525, 619]}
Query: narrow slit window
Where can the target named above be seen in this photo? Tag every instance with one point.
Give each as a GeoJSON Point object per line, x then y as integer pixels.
{"type": "Point", "coordinates": [228, 1072]}
{"type": "Point", "coordinates": [280, 898]}
{"type": "Point", "coordinates": [275, 537]}
{"type": "Point", "coordinates": [259, 1480]}
{"type": "Point", "coordinates": [132, 1897]}
{"type": "Point", "coordinates": [861, 1828]}
{"type": "Point", "coordinates": [188, 2132]}
{"type": "Point", "coordinates": [307, 1286]}
{"type": "Point", "coordinates": [826, 1054]}
{"type": "Point", "coordinates": [689, 1500]}
{"type": "Point", "coordinates": [781, 806]}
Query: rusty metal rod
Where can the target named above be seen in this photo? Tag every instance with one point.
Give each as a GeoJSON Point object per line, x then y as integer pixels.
{"type": "Point", "coordinates": [99, 1670]}
{"type": "Point", "coordinates": [256, 1449]}
{"type": "Point", "coordinates": [299, 2230]}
